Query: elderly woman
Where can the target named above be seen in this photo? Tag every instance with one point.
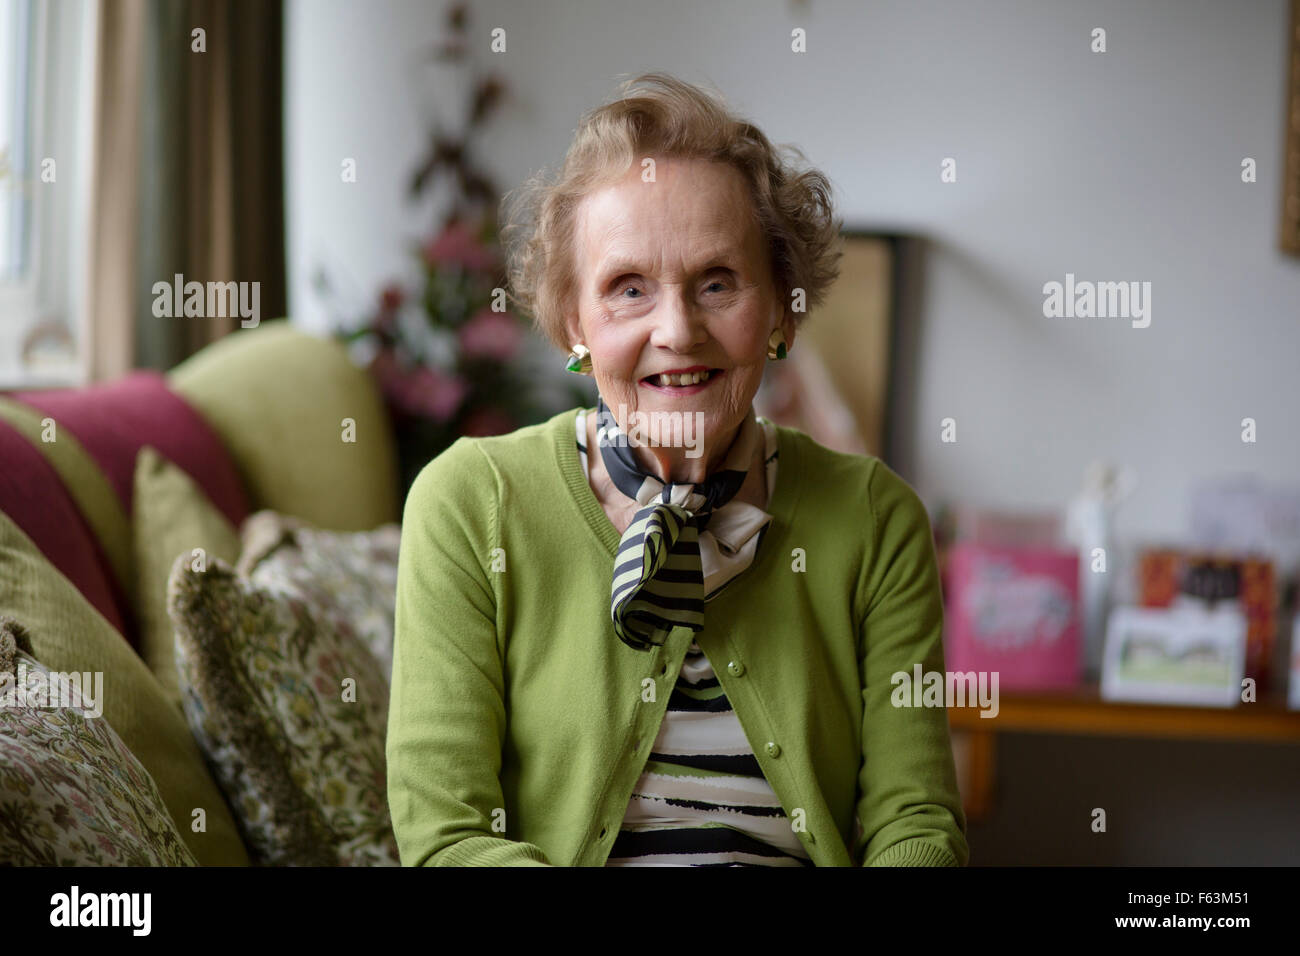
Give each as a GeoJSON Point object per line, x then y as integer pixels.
{"type": "Point", "coordinates": [615, 651]}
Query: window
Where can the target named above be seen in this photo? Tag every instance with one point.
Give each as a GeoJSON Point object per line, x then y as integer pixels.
{"type": "Point", "coordinates": [15, 126]}
{"type": "Point", "coordinates": [46, 68]}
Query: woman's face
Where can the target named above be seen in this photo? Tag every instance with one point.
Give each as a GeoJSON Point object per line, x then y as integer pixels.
{"type": "Point", "coordinates": [673, 275]}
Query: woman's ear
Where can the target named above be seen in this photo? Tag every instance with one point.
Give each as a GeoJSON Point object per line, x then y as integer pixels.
{"type": "Point", "coordinates": [572, 330]}
{"type": "Point", "coordinates": [787, 324]}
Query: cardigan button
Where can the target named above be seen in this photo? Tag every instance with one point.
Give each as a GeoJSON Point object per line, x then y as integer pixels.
{"type": "Point", "coordinates": [735, 668]}
{"type": "Point", "coordinates": [773, 749]}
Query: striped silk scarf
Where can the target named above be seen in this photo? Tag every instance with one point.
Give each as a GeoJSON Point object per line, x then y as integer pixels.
{"type": "Point", "coordinates": [658, 580]}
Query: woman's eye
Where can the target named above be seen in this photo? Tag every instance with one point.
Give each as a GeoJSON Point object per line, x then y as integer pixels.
{"type": "Point", "coordinates": [716, 282]}
{"type": "Point", "coordinates": [631, 289]}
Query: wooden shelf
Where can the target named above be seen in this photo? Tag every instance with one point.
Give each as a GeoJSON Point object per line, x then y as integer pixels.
{"type": "Point", "coordinates": [1083, 711]}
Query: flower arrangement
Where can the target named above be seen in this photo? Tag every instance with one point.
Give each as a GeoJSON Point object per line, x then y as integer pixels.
{"type": "Point", "coordinates": [446, 353]}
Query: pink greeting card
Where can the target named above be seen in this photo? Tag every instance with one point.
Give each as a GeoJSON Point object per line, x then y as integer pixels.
{"type": "Point", "coordinates": [1014, 611]}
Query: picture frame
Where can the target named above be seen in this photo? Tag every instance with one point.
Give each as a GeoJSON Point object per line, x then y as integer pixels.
{"type": "Point", "coordinates": [837, 384]}
{"type": "Point", "coordinates": [1293, 683]}
{"type": "Point", "coordinates": [1184, 654]}
{"type": "Point", "coordinates": [1289, 237]}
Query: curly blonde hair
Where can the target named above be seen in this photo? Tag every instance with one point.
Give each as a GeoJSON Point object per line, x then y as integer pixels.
{"type": "Point", "coordinates": [658, 114]}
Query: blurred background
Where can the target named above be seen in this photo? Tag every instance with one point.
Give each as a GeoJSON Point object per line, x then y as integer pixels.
{"type": "Point", "coordinates": [1115, 495]}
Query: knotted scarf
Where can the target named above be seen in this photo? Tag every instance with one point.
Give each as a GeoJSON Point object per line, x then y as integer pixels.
{"type": "Point", "coordinates": [658, 579]}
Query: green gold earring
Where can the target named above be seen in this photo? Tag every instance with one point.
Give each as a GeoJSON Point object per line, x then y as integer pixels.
{"type": "Point", "coordinates": [579, 360]}
{"type": "Point", "coordinates": [776, 345]}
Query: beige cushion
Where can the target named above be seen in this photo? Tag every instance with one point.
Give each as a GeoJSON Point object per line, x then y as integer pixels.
{"type": "Point", "coordinates": [71, 792]}
{"type": "Point", "coordinates": [67, 634]}
{"type": "Point", "coordinates": [354, 573]}
{"type": "Point", "coordinates": [288, 701]}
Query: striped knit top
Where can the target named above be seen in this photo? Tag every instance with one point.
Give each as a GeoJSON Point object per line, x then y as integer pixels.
{"type": "Point", "coordinates": [702, 799]}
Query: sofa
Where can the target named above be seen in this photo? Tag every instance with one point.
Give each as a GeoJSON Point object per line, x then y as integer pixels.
{"type": "Point", "coordinates": [267, 418]}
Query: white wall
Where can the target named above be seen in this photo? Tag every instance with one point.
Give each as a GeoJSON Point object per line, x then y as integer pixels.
{"type": "Point", "coordinates": [1115, 166]}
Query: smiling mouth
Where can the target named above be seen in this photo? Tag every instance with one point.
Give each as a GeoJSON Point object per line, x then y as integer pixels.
{"type": "Point", "coordinates": [682, 379]}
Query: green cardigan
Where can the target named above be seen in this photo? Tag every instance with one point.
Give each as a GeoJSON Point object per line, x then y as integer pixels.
{"type": "Point", "coordinates": [519, 723]}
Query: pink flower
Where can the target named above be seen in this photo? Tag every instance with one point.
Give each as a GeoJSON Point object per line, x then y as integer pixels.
{"type": "Point", "coordinates": [435, 394]}
{"type": "Point", "coordinates": [419, 391]}
{"type": "Point", "coordinates": [390, 300]}
{"type": "Point", "coordinates": [458, 245]}
{"type": "Point", "coordinates": [391, 297]}
{"type": "Point", "coordinates": [490, 335]}
{"type": "Point", "coordinates": [487, 421]}
{"type": "Point", "coordinates": [80, 803]}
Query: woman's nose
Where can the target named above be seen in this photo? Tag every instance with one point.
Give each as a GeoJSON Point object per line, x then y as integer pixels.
{"type": "Point", "coordinates": [678, 325]}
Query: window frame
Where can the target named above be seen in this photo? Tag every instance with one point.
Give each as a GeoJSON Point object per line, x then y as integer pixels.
{"type": "Point", "coordinates": [62, 53]}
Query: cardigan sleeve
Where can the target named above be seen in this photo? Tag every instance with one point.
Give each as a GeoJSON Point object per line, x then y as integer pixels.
{"type": "Point", "coordinates": [908, 806]}
{"type": "Point", "coordinates": [447, 718]}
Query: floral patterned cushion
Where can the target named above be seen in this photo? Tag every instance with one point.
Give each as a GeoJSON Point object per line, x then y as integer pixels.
{"type": "Point", "coordinates": [291, 709]}
{"type": "Point", "coordinates": [355, 573]}
{"type": "Point", "coordinates": [71, 793]}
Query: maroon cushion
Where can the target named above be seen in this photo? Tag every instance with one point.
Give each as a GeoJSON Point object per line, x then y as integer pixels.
{"type": "Point", "coordinates": [34, 498]}
{"type": "Point", "coordinates": [114, 420]}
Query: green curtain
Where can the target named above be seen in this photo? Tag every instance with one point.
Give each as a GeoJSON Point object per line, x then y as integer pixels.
{"type": "Point", "coordinates": [210, 164]}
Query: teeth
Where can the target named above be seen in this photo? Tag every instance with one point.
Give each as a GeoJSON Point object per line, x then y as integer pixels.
{"type": "Point", "coordinates": [680, 380]}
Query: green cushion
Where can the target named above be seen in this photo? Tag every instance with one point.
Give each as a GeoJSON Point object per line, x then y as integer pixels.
{"type": "Point", "coordinates": [172, 516]}
{"type": "Point", "coordinates": [278, 396]}
{"type": "Point", "coordinates": [67, 634]}
{"type": "Point", "coordinates": [88, 486]}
